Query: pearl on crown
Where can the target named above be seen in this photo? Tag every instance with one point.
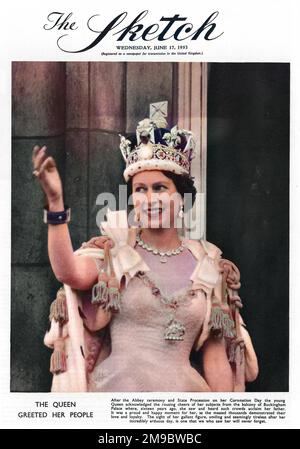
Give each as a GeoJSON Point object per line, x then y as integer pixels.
{"type": "Point", "coordinates": [146, 151]}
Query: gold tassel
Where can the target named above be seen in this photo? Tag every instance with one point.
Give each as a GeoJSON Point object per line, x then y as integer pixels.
{"type": "Point", "coordinates": [100, 290]}
{"type": "Point", "coordinates": [216, 319]}
{"type": "Point", "coordinates": [114, 295]}
{"type": "Point", "coordinates": [106, 292]}
{"type": "Point", "coordinates": [58, 361]}
{"type": "Point", "coordinates": [58, 308]}
{"type": "Point", "coordinates": [59, 312]}
{"type": "Point", "coordinates": [235, 345]}
{"type": "Point", "coordinates": [221, 323]}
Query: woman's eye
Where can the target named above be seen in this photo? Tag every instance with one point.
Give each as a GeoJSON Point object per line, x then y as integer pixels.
{"type": "Point", "coordinates": [160, 188]}
{"type": "Point", "coordinates": [140, 189]}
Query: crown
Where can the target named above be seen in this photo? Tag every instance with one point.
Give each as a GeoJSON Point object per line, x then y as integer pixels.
{"type": "Point", "coordinates": [154, 147]}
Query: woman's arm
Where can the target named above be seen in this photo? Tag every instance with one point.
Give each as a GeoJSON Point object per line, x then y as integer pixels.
{"type": "Point", "coordinates": [77, 272]}
{"type": "Point", "coordinates": [217, 370]}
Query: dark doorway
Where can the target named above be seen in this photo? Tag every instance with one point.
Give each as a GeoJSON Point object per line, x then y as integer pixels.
{"type": "Point", "coordinates": [248, 200]}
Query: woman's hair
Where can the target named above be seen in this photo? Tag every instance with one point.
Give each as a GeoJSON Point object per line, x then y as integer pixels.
{"type": "Point", "coordinates": [183, 183]}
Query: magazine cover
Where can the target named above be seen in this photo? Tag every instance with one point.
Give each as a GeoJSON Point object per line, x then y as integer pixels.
{"type": "Point", "coordinates": [148, 238]}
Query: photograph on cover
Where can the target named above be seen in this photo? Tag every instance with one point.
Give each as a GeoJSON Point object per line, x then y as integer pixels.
{"type": "Point", "coordinates": [150, 227]}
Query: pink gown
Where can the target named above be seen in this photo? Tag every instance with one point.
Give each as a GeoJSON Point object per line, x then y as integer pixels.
{"type": "Point", "coordinates": [137, 356]}
{"type": "Point", "coordinates": [141, 359]}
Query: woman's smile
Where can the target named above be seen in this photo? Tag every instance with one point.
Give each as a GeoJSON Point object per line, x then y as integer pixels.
{"type": "Point", "coordinates": [155, 212]}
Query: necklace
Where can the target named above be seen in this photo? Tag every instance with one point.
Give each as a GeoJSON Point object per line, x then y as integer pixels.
{"type": "Point", "coordinates": [163, 255]}
{"type": "Point", "coordinates": [174, 329]}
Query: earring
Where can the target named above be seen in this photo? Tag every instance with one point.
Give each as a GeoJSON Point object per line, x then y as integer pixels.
{"type": "Point", "coordinates": [181, 212]}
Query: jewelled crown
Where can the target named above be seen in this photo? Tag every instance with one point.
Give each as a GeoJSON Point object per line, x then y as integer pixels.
{"type": "Point", "coordinates": [154, 147]}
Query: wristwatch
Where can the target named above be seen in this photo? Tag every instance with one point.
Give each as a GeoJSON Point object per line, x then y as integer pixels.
{"type": "Point", "coordinates": [55, 218]}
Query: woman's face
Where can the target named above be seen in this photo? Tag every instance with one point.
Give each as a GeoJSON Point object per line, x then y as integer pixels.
{"type": "Point", "coordinates": [155, 199]}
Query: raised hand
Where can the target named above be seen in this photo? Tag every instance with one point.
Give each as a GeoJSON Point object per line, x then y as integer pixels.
{"type": "Point", "coordinates": [44, 168]}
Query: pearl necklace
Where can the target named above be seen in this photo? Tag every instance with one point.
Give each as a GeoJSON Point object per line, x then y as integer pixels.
{"type": "Point", "coordinates": [163, 255]}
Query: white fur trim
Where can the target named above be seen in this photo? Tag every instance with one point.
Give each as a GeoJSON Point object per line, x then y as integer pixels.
{"type": "Point", "coordinates": [153, 164]}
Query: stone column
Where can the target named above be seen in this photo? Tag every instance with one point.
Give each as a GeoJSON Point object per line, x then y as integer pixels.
{"type": "Point", "coordinates": [38, 95]}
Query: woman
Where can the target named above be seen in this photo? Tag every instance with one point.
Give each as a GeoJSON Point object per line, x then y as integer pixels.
{"type": "Point", "coordinates": [138, 300]}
